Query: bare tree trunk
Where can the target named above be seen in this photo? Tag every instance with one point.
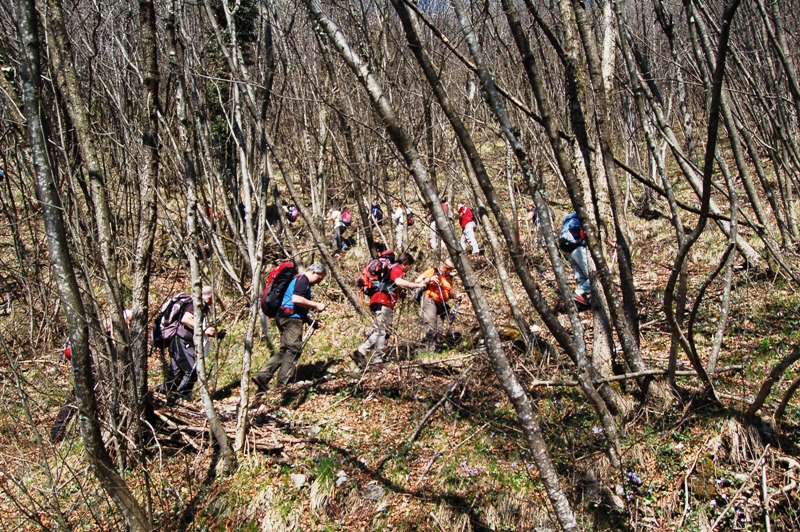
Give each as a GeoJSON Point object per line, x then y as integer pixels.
{"type": "Point", "coordinates": [147, 179]}
{"type": "Point", "coordinates": [60, 258]}
{"type": "Point", "coordinates": [713, 127]}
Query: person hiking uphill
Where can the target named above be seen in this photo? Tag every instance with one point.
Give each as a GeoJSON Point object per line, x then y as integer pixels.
{"type": "Point", "coordinates": [293, 314]}
{"type": "Point", "coordinates": [572, 241]}
{"type": "Point", "coordinates": [433, 236]}
{"type": "Point", "coordinates": [466, 219]}
{"type": "Point", "coordinates": [400, 219]}
{"type": "Point", "coordinates": [376, 213]}
{"type": "Point", "coordinates": [438, 289]}
{"type": "Point", "coordinates": [182, 376]}
{"type": "Point", "coordinates": [68, 411]}
{"type": "Point", "coordinates": [341, 221]}
{"type": "Point", "coordinates": [382, 301]}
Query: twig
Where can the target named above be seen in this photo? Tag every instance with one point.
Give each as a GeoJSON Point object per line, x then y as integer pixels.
{"type": "Point", "coordinates": [179, 430]}
{"type": "Point", "coordinates": [765, 496]}
{"type": "Point", "coordinates": [627, 376]}
{"type": "Point", "coordinates": [744, 483]}
{"type": "Point", "coordinates": [433, 409]}
{"type": "Point", "coordinates": [686, 483]}
{"type": "Point", "coordinates": [465, 440]}
{"type": "Point", "coordinates": [347, 396]}
{"type": "Point", "coordinates": [437, 362]}
{"type": "Point", "coordinates": [436, 455]}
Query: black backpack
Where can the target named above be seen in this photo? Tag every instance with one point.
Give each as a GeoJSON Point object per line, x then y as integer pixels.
{"type": "Point", "coordinates": [277, 282]}
{"type": "Point", "coordinates": [169, 319]}
{"type": "Point", "coordinates": [571, 236]}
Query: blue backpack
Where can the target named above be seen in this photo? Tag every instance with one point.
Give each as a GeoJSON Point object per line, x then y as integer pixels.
{"type": "Point", "coordinates": [571, 236]}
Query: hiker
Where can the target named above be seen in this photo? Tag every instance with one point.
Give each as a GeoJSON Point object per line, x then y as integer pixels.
{"type": "Point", "coordinates": [292, 213]}
{"type": "Point", "coordinates": [438, 291]}
{"type": "Point", "coordinates": [435, 241]}
{"type": "Point", "coordinates": [341, 220]}
{"type": "Point", "coordinates": [182, 376]}
{"type": "Point", "coordinates": [532, 217]}
{"type": "Point", "coordinates": [293, 314]}
{"type": "Point", "coordinates": [398, 217]}
{"type": "Point", "coordinates": [68, 411]}
{"type": "Point", "coordinates": [466, 219]}
{"type": "Point", "coordinates": [572, 240]}
{"type": "Point", "coordinates": [381, 304]}
{"type": "Point", "coordinates": [376, 213]}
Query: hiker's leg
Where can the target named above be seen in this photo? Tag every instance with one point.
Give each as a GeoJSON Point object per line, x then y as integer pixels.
{"type": "Point", "coordinates": [175, 373]}
{"type": "Point", "coordinates": [372, 339]}
{"type": "Point", "coordinates": [291, 346]}
{"type": "Point", "coordinates": [186, 363]}
{"type": "Point", "coordinates": [267, 370]}
{"type": "Point", "coordinates": [579, 266]}
{"type": "Point", "coordinates": [429, 318]}
{"type": "Point", "coordinates": [64, 416]}
{"type": "Point", "coordinates": [383, 320]}
{"type": "Point", "coordinates": [469, 233]}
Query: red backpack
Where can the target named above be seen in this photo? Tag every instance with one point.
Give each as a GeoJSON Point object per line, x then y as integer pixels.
{"type": "Point", "coordinates": [277, 282]}
{"type": "Point", "coordinates": [347, 218]}
{"type": "Point", "coordinates": [375, 277]}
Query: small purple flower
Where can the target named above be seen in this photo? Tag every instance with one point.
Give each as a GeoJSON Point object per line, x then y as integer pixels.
{"type": "Point", "coordinates": [597, 430]}
{"type": "Point", "coordinates": [634, 479]}
{"type": "Point", "coordinates": [514, 464]}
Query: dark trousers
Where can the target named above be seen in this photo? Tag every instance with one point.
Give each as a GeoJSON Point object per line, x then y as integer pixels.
{"type": "Point", "coordinates": [65, 415]}
{"type": "Point", "coordinates": [338, 239]}
{"type": "Point", "coordinates": [182, 375]}
{"type": "Point", "coordinates": [286, 358]}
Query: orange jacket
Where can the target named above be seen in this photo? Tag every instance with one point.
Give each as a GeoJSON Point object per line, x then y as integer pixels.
{"type": "Point", "coordinates": [439, 285]}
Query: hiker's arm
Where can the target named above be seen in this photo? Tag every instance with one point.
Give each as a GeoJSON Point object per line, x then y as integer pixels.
{"type": "Point", "coordinates": [307, 303]}
{"type": "Point", "coordinates": [188, 321]}
{"type": "Point", "coordinates": [404, 283]}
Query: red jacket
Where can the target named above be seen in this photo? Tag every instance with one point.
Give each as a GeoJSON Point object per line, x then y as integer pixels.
{"type": "Point", "coordinates": [465, 216]}
{"type": "Point", "coordinates": [385, 298]}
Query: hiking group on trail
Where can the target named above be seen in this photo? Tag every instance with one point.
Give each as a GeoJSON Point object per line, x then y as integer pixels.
{"type": "Point", "coordinates": [288, 299]}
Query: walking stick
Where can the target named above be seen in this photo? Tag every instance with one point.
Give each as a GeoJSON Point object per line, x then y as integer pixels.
{"type": "Point", "coordinates": [308, 334]}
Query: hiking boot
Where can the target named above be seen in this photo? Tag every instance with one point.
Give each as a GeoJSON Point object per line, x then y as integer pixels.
{"type": "Point", "coordinates": [582, 302]}
{"type": "Point", "coordinates": [359, 359]}
{"type": "Point", "coordinates": [261, 383]}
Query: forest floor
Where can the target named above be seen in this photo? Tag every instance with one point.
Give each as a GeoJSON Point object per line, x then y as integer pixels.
{"type": "Point", "coordinates": [429, 441]}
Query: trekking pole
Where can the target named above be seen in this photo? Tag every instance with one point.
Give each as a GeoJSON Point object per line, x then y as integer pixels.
{"type": "Point", "coordinates": [308, 334]}
{"type": "Point", "coordinates": [446, 310]}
